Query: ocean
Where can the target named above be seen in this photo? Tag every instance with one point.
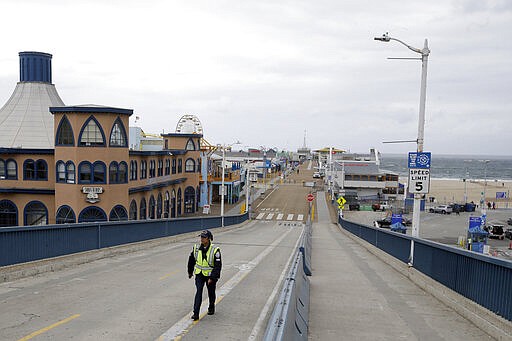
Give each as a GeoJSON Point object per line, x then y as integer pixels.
{"type": "Point", "coordinates": [472, 167]}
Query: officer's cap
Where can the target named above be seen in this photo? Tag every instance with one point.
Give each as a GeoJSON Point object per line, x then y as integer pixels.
{"type": "Point", "coordinates": [206, 234]}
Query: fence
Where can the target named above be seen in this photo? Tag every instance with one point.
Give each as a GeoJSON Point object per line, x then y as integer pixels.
{"type": "Point", "coordinates": [482, 279]}
{"type": "Point", "coordinates": [25, 244]}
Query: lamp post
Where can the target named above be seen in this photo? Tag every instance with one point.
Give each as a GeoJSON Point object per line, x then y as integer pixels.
{"type": "Point", "coordinates": [482, 197]}
{"type": "Point", "coordinates": [466, 182]}
{"type": "Point", "coordinates": [222, 187]}
{"type": "Point", "coordinates": [421, 126]}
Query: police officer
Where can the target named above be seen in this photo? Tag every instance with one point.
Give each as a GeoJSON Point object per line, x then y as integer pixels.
{"type": "Point", "coordinates": [205, 261]}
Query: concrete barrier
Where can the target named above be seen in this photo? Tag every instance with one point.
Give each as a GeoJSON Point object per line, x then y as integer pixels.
{"type": "Point", "coordinates": [290, 318]}
{"type": "Point", "coordinates": [305, 249]}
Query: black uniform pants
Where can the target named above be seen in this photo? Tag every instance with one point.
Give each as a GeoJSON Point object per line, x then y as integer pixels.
{"type": "Point", "coordinates": [200, 282]}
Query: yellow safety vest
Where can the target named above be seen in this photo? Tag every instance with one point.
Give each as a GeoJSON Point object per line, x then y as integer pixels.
{"type": "Point", "coordinates": [204, 265]}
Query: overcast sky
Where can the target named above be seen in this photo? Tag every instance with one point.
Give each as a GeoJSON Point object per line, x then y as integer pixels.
{"type": "Point", "coordinates": [262, 72]}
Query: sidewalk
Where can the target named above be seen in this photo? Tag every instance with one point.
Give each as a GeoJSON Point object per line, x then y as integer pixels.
{"type": "Point", "coordinates": [356, 296]}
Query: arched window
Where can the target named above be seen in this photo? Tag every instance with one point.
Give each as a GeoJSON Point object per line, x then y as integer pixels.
{"type": "Point", "coordinates": [112, 172]}
{"type": "Point", "coordinates": [173, 166]}
{"type": "Point", "coordinates": [143, 169]}
{"type": "Point", "coordinates": [151, 207]}
{"type": "Point", "coordinates": [11, 170]}
{"type": "Point", "coordinates": [133, 170]}
{"type": "Point", "coordinates": [190, 200]}
{"type": "Point", "coordinates": [35, 170]}
{"type": "Point", "coordinates": [70, 172]}
{"type": "Point", "coordinates": [91, 134]}
{"type": "Point", "coordinates": [159, 206]}
{"type": "Point", "coordinates": [65, 215]}
{"type": "Point", "coordinates": [8, 213]}
{"type": "Point", "coordinates": [2, 169]}
{"type": "Point", "coordinates": [173, 204]}
{"type": "Point", "coordinates": [190, 145]}
{"type": "Point", "coordinates": [152, 168]}
{"type": "Point", "coordinates": [133, 210]}
{"type": "Point", "coordinates": [91, 173]}
{"type": "Point", "coordinates": [91, 214]}
{"type": "Point", "coordinates": [190, 166]}
{"type": "Point", "coordinates": [118, 213]}
{"type": "Point", "coordinates": [61, 171]}
{"type": "Point", "coordinates": [160, 167]}
{"type": "Point", "coordinates": [35, 213]}
{"type": "Point", "coordinates": [142, 208]}
{"type": "Point", "coordinates": [123, 173]}
{"type": "Point", "coordinates": [64, 136]}
{"type": "Point", "coordinates": [167, 166]}
{"type": "Point", "coordinates": [166, 205]}
{"type": "Point", "coordinates": [180, 165]}
{"type": "Point", "coordinates": [178, 206]}
{"type": "Point", "coordinates": [118, 134]}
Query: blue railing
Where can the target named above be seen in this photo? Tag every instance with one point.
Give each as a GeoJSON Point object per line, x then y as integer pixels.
{"type": "Point", "coordinates": [482, 279]}
{"type": "Point", "coordinates": [25, 244]}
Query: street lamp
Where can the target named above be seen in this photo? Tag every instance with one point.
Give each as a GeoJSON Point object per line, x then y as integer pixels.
{"type": "Point", "coordinates": [466, 182]}
{"type": "Point", "coordinates": [482, 197]}
{"type": "Point", "coordinates": [421, 125]}
{"type": "Point", "coordinates": [222, 181]}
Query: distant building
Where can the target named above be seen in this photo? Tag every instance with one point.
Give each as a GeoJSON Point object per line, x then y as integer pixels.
{"type": "Point", "coordinates": [66, 164]}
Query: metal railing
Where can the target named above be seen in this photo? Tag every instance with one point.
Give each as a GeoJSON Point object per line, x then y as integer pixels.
{"type": "Point", "coordinates": [484, 280]}
{"type": "Point", "coordinates": [25, 244]}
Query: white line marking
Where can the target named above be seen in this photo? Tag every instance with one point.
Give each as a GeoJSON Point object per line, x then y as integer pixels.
{"type": "Point", "coordinates": [266, 197]}
{"type": "Point", "coordinates": [183, 325]}
{"type": "Point", "coordinates": [300, 217]}
{"type": "Point", "coordinates": [279, 216]}
{"type": "Point", "coordinates": [260, 216]}
{"type": "Point", "coordinates": [270, 216]}
{"type": "Point", "coordinates": [290, 216]}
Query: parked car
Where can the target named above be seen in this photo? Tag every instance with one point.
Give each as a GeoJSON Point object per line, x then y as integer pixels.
{"type": "Point", "coordinates": [316, 175]}
{"type": "Point", "coordinates": [509, 221]}
{"type": "Point", "coordinates": [383, 206]}
{"type": "Point", "coordinates": [444, 209]}
{"type": "Point", "coordinates": [386, 222]}
{"type": "Point", "coordinates": [495, 230]}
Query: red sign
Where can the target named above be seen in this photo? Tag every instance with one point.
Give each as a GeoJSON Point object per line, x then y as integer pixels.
{"type": "Point", "coordinates": [310, 197]}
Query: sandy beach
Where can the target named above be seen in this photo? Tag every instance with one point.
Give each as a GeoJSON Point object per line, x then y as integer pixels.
{"type": "Point", "coordinates": [448, 191]}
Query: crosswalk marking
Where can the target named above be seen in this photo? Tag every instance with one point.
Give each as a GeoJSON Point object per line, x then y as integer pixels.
{"type": "Point", "coordinates": [260, 216]}
{"type": "Point", "coordinates": [290, 216]}
{"type": "Point", "coordinates": [300, 217]}
{"type": "Point", "coordinates": [279, 216]}
{"type": "Point", "coordinates": [270, 216]}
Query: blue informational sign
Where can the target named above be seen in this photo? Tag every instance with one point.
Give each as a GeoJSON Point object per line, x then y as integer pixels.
{"type": "Point", "coordinates": [419, 160]}
{"type": "Point", "coordinates": [475, 223]}
{"type": "Point", "coordinates": [396, 218]}
{"type": "Point", "coordinates": [501, 195]}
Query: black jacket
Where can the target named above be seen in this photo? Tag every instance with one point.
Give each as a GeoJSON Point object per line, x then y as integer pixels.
{"type": "Point", "coordinates": [217, 262]}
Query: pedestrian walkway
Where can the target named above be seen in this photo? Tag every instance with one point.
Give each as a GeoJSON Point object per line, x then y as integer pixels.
{"type": "Point", "coordinates": [356, 296]}
{"type": "Point", "coordinates": [274, 214]}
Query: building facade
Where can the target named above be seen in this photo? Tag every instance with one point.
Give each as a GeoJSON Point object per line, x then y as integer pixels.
{"type": "Point", "coordinates": [68, 164]}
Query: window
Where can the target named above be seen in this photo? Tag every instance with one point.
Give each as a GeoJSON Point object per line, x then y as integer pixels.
{"type": "Point", "coordinates": [118, 213]}
{"type": "Point", "coordinates": [142, 208]}
{"type": "Point", "coordinates": [190, 145]}
{"type": "Point", "coordinates": [180, 166]}
{"type": "Point", "coordinates": [143, 169]}
{"type": "Point", "coordinates": [190, 166]}
{"type": "Point", "coordinates": [173, 204]}
{"type": "Point", "coordinates": [92, 214]}
{"type": "Point", "coordinates": [166, 144]}
{"type": "Point", "coordinates": [133, 210]}
{"type": "Point", "coordinates": [91, 173]}
{"type": "Point", "coordinates": [70, 172]}
{"type": "Point", "coordinates": [133, 170]}
{"type": "Point", "coordinates": [178, 208]}
{"type": "Point", "coordinates": [173, 166]}
{"type": "Point", "coordinates": [65, 133]}
{"type": "Point", "coordinates": [65, 215]}
{"type": "Point", "coordinates": [91, 134]}
{"type": "Point", "coordinates": [118, 135]}
{"type": "Point", "coordinates": [159, 206]}
{"type": "Point", "coordinates": [112, 172]}
{"type": "Point", "coordinates": [123, 173]}
{"type": "Point", "coordinates": [190, 202]}
{"type": "Point", "coordinates": [2, 169]}
{"type": "Point", "coordinates": [61, 171]}
{"type": "Point", "coordinates": [8, 213]}
{"type": "Point", "coordinates": [65, 172]}
{"type": "Point", "coordinates": [167, 166]}
{"type": "Point", "coordinates": [160, 167]}
{"type": "Point", "coordinates": [35, 170]}
{"type": "Point", "coordinates": [35, 214]}
{"type": "Point", "coordinates": [166, 205]}
{"type": "Point", "coordinates": [199, 165]}
{"type": "Point", "coordinates": [152, 167]}
{"type": "Point", "coordinates": [12, 170]}
{"type": "Point", "coordinates": [152, 207]}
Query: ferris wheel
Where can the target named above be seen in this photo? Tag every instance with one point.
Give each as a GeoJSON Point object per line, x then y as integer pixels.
{"type": "Point", "coordinates": [189, 124]}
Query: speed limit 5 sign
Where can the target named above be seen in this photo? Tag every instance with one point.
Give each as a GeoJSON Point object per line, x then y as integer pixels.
{"type": "Point", "coordinates": [419, 180]}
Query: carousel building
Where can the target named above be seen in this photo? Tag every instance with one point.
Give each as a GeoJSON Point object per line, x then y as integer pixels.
{"type": "Point", "coordinates": [69, 164]}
